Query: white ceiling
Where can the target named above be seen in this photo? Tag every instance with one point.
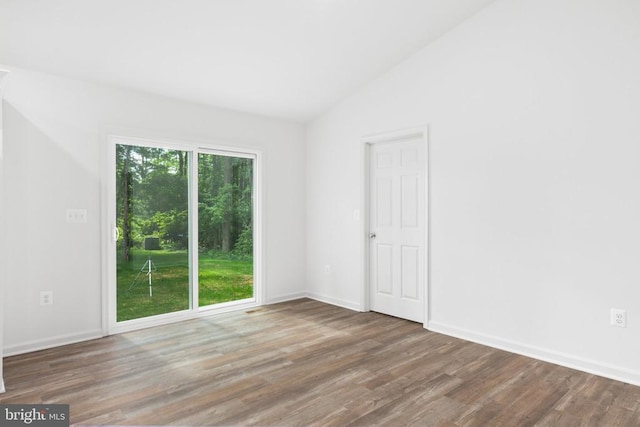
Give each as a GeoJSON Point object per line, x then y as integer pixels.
{"type": "Point", "coordinates": [289, 59]}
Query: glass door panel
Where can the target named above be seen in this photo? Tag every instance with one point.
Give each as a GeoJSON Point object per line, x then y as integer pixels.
{"type": "Point", "coordinates": [225, 229]}
{"type": "Point", "coordinates": [152, 218]}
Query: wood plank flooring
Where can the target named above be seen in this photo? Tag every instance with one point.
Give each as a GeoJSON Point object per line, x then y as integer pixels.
{"type": "Point", "coordinates": [310, 364]}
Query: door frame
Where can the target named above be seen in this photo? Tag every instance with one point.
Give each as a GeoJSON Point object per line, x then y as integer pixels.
{"type": "Point", "coordinates": [109, 323]}
{"type": "Point", "coordinates": [421, 133]}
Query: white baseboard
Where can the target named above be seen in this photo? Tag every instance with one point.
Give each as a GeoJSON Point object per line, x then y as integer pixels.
{"type": "Point", "coordinates": [312, 295]}
{"type": "Point", "coordinates": [36, 345]}
{"type": "Point", "coordinates": [546, 355]}
{"type": "Point", "coordinates": [335, 301]}
{"type": "Point", "coordinates": [286, 297]}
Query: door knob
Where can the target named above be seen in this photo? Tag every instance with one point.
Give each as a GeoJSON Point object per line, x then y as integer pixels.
{"type": "Point", "coordinates": [372, 235]}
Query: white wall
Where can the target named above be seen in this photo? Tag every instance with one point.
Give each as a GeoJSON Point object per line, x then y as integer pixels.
{"type": "Point", "coordinates": [533, 110]}
{"type": "Point", "coordinates": [55, 131]}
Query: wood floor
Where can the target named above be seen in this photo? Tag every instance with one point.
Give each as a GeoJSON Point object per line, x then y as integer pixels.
{"type": "Point", "coordinates": [307, 363]}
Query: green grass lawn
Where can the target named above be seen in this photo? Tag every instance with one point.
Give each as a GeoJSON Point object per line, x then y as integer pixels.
{"type": "Point", "coordinates": [220, 280]}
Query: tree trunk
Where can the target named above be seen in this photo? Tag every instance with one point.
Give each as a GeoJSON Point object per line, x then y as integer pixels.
{"type": "Point", "coordinates": [126, 207]}
{"type": "Point", "coordinates": [228, 213]}
{"type": "Point", "coordinates": [181, 163]}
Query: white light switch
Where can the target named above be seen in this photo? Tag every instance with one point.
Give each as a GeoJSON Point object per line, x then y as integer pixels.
{"type": "Point", "coordinates": [76, 216]}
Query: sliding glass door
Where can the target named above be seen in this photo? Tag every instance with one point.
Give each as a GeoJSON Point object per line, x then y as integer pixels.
{"type": "Point", "coordinates": [183, 230]}
{"type": "Point", "coordinates": [152, 218]}
{"type": "Point", "coordinates": [225, 229]}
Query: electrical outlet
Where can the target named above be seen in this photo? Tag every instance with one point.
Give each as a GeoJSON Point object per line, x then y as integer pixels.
{"type": "Point", "coordinates": [76, 216]}
{"type": "Point", "coordinates": [618, 317]}
{"type": "Point", "coordinates": [46, 298]}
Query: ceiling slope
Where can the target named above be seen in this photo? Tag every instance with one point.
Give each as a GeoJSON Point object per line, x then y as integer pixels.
{"type": "Point", "coordinates": [289, 59]}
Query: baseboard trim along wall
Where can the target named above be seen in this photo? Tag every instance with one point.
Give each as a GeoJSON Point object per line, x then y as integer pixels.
{"type": "Point", "coordinates": [335, 301]}
{"type": "Point", "coordinates": [286, 297]}
{"type": "Point", "coordinates": [562, 359]}
{"type": "Point", "coordinates": [312, 295]}
{"type": "Point", "coordinates": [30, 346]}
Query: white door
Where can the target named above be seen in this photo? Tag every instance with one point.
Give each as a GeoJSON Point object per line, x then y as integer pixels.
{"type": "Point", "coordinates": [397, 228]}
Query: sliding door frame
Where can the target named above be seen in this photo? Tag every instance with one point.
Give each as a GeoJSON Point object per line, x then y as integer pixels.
{"type": "Point", "coordinates": [109, 244]}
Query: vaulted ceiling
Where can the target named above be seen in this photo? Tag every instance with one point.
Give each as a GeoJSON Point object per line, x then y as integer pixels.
{"type": "Point", "coordinates": [289, 59]}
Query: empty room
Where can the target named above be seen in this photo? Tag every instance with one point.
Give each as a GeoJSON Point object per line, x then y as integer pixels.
{"type": "Point", "coordinates": [320, 212]}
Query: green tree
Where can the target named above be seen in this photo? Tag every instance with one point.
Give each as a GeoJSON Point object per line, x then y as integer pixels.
{"type": "Point", "coordinates": [153, 196]}
{"type": "Point", "coordinates": [225, 203]}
